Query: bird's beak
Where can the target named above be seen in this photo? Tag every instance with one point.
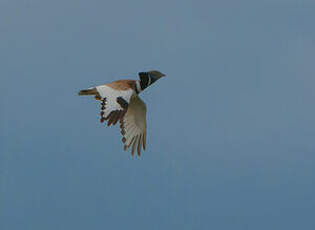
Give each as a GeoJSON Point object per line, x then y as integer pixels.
{"type": "Point", "coordinates": [163, 75]}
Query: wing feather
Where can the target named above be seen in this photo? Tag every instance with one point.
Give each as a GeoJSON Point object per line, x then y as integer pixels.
{"type": "Point", "coordinates": [119, 102]}
{"type": "Point", "coordinates": [133, 125]}
{"type": "Point", "coordinates": [114, 103]}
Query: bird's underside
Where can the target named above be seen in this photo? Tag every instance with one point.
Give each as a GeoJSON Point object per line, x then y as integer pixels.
{"type": "Point", "coordinates": [120, 102]}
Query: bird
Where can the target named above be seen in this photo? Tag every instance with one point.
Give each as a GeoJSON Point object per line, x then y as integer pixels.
{"type": "Point", "coordinates": [120, 101]}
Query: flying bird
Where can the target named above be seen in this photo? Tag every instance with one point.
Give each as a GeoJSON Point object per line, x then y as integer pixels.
{"type": "Point", "coordinates": [120, 102]}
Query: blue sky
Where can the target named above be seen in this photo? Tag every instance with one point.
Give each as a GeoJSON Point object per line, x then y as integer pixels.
{"type": "Point", "coordinates": [231, 129]}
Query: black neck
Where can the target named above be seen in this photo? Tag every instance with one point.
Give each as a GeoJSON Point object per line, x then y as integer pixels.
{"type": "Point", "coordinates": [145, 80]}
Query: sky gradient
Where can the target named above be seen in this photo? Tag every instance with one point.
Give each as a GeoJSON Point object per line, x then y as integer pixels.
{"type": "Point", "coordinates": [231, 128]}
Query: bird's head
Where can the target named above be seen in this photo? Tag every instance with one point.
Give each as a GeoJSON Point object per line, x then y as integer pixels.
{"type": "Point", "coordinates": [155, 74]}
{"type": "Point", "coordinates": [148, 78]}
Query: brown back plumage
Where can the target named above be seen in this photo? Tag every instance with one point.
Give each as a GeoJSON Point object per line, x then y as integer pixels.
{"type": "Point", "coordinates": [122, 84]}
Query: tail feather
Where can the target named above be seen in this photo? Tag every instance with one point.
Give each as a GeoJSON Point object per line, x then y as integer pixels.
{"type": "Point", "coordinates": [90, 91]}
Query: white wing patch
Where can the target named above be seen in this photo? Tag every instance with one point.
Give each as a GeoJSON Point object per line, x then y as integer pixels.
{"type": "Point", "coordinates": [133, 125]}
{"type": "Point", "coordinates": [114, 103]}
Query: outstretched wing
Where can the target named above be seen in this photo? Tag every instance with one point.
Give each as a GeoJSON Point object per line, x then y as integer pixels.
{"type": "Point", "coordinates": [114, 103]}
{"type": "Point", "coordinates": [133, 125]}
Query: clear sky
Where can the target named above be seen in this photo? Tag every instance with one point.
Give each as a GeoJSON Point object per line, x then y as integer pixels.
{"type": "Point", "coordinates": [231, 129]}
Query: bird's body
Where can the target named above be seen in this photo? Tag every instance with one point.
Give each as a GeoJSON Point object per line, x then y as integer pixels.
{"type": "Point", "coordinates": [120, 102]}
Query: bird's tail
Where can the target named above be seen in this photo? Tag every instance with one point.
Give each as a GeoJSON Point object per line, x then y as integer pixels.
{"type": "Point", "coordinates": [89, 91]}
